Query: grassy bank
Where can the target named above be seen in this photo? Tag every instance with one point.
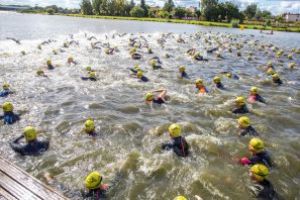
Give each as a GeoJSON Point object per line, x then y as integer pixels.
{"type": "Point", "coordinates": [180, 21]}
{"type": "Point", "coordinates": [194, 22]}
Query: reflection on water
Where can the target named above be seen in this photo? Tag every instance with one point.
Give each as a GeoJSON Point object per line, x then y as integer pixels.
{"type": "Point", "coordinates": [130, 133]}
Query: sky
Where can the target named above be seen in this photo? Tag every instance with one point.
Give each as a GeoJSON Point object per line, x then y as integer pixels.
{"type": "Point", "coordinates": [274, 6]}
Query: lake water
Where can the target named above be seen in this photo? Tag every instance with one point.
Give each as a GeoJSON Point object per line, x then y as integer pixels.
{"type": "Point", "coordinates": [130, 133]}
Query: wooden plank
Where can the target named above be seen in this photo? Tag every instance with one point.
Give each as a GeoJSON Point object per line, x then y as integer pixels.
{"type": "Point", "coordinates": [4, 195]}
{"type": "Point", "coordinates": [15, 189]}
{"type": "Point", "coordinates": [32, 184]}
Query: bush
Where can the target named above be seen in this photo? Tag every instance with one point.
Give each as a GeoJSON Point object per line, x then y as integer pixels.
{"type": "Point", "coordinates": [50, 11]}
{"type": "Point", "coordinates": [137, 11]}
{"type": "Point", "coordinates": [235, 23]}
{"type": "Point", "coordinates": [268, 22]}
{"type": "Point", "coordinates": [163, 14]}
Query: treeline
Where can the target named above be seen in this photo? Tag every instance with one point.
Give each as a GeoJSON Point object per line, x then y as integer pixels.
{"type": "Point", "coordinates": [125, 8]}
{"type": "Point", "coordinates": [210, 10]}
{"type": "Point", "coordinates": [50, 10]}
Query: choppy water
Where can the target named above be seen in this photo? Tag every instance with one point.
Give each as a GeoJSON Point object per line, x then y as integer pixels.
{"type": "Point", "coordinates": [131, 133]}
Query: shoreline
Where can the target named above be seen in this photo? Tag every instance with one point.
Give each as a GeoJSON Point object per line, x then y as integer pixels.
{"type": "Point", "coordinates": [180, 21]}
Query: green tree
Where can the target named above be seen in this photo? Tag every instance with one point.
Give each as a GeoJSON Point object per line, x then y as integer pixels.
{"type": "Point", "coordinates": [97, 6]}
{"type": "Point", "coordinates": [180, 12]}
{"type": "Point", "coordinates": [163, 14]}
{"type": "Point", "coordinates": [137, 11]}
{"type": "Point", "coordinates": [104, 7]}
{"type": "Point", "coordinates": [112, 7]}
{"type": "Point", "coordinates": [169, 5]}
{"type": "Point", "coordinates": [209, 9]}
{"type": "Point", "coordinates": [86, 7]}
{"type": "Point", "coordinates": [230, 11]}
{"type": "Point", "coordinates": [250, 11]}
{"type": "Point", "coordinates": [50, 11]}
{"type": "Point", "coordinates": [144, 7]}
{"type": "Point", "coordinates": [266, 14]}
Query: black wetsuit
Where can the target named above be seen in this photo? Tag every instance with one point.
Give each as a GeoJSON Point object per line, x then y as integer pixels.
{"type": "Point", "coordinates": [88, 78]}
{"type": "Point", "coordinates": [236, 77]}
{"type": "Point", "coordinates": [261, 158]}
{"type": "Point", "coordinates": [144, 79]}
{"type": "Point", "coordinates": [5, 93]}
{"type": "Point", "coordinates": [184, 75]}
{"type": "Point", "coordinates": [259, 98]}
{"type": "Point", "coordinates": [278, 81]}
{"type": "Point", "coordinates": [220, 86]}
{"type": "Point", "coordinates": [10, 117]}
{"type": "Point", "coordinates": [264, 190]}
{"type": "Point", "coordinates": [133, 70]}
{"type": "Point", "coordinates": [32, 148]}
{"type": "Point", "coordinates": [249, 131]}
{"type": "Point", "coordinates": [95, 194]}
{"type": "Point", "coordinates": [158, 100]}
{"type": "Point", "coordinates": [243, 109]}
{"type": "Point", "coordinates": [179, 146]}
{"type": "Point", "coordinates": [50, 67]}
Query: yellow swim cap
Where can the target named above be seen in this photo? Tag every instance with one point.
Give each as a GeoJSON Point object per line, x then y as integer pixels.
{"type": "Point", "coordinates": [174, 130]}
{"type": "Point", "coordinates": [275, 76]}
{"type": "Point", "coordinates": [93, 180]}
{"type": "Point", "coordinates": [292, 65]}
{"type": "Point", "coordinates": [256, 144]}
{"type": "Point", "coordinates": [182, 68]}
{"type": "Point", "coordinates": [229, 75]}
{"type": "Point", "coordinates": [30, 133]}
{"type": "Point", "coordinates": [139, 74]}
{"type": "Point", "coordinates": [132, 51]}
{"type": "Point", "coordinates": [180, 198]}
{"type": "Point", "coordinates": [240, 100]}
{"type": "Point", "coordinates": [270, 64]}
{"type": "Point", "coordinates": [92, 74]}
{"type": "Point", "coordinates": [136, 67]}
{"type": "Point", "coordinates": [70, 59]}
{"type": "Point", "coordinates": [49, 62]}
{"type": "Point", "coordinates": [254, 90]}
{"type": "Point", "coordinates": [244, 121]}
{"type": "Point", "coordinates": [89, 126]}
{"type": "Point", "coordinates": [40, 72]}
{"type": "Point", "coordinates": [7, 107]}
{"type": "Point", "coordinates": [260, 171]}
{"type": "Point", "coordinates": [149, 96]}
{"type": "Point", "coordinates": [153, 62]}
{"type": "Point", "coordinates": [217, 79]}
{"type": "Point", "coordinates": [270, 71]}
{"type": "Point", "coordinates": [5, 86]}
{"type": "Point", "coordinates": [88, 68]}
{"type": "Point", "coordinates": [199, 82]}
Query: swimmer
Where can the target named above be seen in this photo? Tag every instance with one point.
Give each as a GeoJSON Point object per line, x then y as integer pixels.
{"type": "Point", "coordinates": [241, 106]}
{"type": "Point", "coordinates": [178, 143]}
{"type": "Point", "coordinates": [259, 154]}
{"type": "Point", "coordinates": [254, 96]}
{"type": "Point", "coordinates": [9, 117]}
{"type": "Point", "coordinates": [159, 99]}
{"type": "Point", "coordinates": [245, 127]}
{"type": "Point", "coordinates": [33, 146]}
{"type": "Point", "coordinates": [200, 88]}
{"type": "Point", "coordinates": [6, 91]}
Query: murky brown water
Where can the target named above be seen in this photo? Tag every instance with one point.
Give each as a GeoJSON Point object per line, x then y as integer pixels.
{"type": "Point", "coordinates": [131, 133]}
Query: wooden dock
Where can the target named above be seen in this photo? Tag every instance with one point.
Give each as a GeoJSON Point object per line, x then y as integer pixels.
{"type": "Point", "coordinates": [15, 183]}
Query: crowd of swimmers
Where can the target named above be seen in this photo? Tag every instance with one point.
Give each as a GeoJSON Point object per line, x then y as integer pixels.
{"type": "Point", "coordinates": [260, 161]}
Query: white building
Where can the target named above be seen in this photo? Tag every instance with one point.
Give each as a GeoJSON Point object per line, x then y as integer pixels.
{"type": "Point", "coordinates": [289, 17]}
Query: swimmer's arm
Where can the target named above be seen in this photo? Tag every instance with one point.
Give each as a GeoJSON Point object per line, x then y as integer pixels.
{"type": "Point", "coordinates": [16, 146]}
{"type": "Point", "coordinates": [167, 146]}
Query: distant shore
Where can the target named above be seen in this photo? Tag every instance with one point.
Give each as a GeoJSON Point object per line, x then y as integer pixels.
{"type": "Point", "coordinates": [181, 21]}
